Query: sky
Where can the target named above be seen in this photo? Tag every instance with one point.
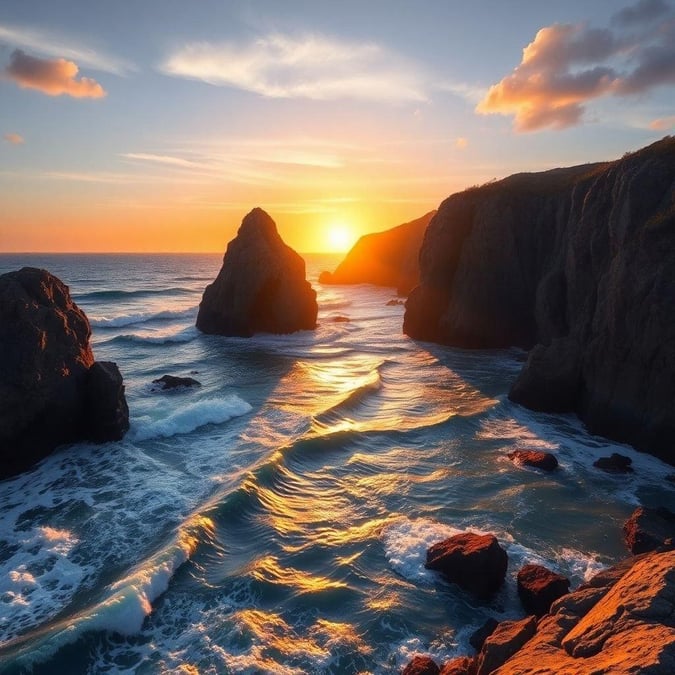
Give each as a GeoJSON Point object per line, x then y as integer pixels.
{"type": "Point", "coordinates": [156, 125]}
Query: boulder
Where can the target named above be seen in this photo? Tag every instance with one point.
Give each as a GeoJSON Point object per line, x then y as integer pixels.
{"type": "Point", "coordinates": [462, 665]}
{"type": "Point", "coordinates": [421, 665]}
{"type": "Point", "coordinates": [576, 265]}
{"type": "Point", "coordinates": [534, 458]}
{"type": "Point", "coordinates": [51, 389]}
{"type": "Point", "coordinates": [261, 286]}
{"type": "Point", "coordinates": [538, 588]}
{"type": "Point", "coordinates": [616, 463]}
{"type": "Point", "coordinates": [388, 258]}
{"type": "Point", "coordinates": [475, 562]}
{"type": "Point", "coordinates": [174, 382]}
{"type": "Point", "coordinates": [479, 636]}
{"type": "Point", "coordinates": [649, 529]}
{"type": "Point", "coordinates": [507, 638]}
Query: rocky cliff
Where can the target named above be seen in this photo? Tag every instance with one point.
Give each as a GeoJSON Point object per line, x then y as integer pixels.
{"type": "Point", "coordinates": [261, 286]}
{"type": "Point", "coordinates": [577, 265]}
{"type": "Point", "coordinates": [51, 389]}
{"type": "Point", "coordinates": [389, 258]}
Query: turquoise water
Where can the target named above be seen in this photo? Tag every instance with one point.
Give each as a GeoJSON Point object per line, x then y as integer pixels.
{"type": "Point", "coordinates": [276, 519]}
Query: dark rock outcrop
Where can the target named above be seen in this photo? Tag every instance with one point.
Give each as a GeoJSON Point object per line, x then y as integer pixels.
{"type": "Point", "coordinates": [615, 463]}
{"type": "Point", "coordinates": [534, 458]}
{"type": "Point", "coordinates": [539, 588]}
{"type": "Point", "coordinates": [577, 265]}
{"type": "Point", "coordinates": [475, 562]}
{"type": "Point", "coordinates": [261, 286]}
{"type": "Point", "coordinates": [51, 389]}
{"type": "Point", "coordinates": [649, 529]}
{"type": "Point", "coordinates": [168, 382]}
{"type": "Point", "coordinates": [389, 258]}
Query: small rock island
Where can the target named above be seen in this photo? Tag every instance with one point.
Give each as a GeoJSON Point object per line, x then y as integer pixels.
{"type": "Point", "coordinates": [261, 287]}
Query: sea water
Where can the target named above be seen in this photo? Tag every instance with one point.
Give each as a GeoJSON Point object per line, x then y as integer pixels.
{"type": "Point", "coordinates": [276, 518]}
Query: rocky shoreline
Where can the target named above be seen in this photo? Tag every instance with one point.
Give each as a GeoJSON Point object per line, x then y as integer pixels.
{"type": "Point", "coordinates": [620, 621]}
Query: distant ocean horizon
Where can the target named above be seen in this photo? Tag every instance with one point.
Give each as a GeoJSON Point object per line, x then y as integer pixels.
{"type": "Point", "coordinates": [276, 519]}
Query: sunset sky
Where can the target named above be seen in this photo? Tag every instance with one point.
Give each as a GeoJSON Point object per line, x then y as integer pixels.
{"type": "Point", "coordinates": [156, 125]}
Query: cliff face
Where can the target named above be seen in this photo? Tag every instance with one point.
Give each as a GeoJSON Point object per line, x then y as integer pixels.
{"type": "Point", "coordinates": [51, 389]}
{"type": "Point", "coordinates": [577, 265]}
{"type": "Point", "coordinates": [389, 258]}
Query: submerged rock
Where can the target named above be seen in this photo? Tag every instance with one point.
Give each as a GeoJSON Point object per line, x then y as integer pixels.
{"type": "Point", "coordinates": [173, 382]}
{"type": "Point", "coordinates": [539, 588]}
{"type": "Point", "coordinates": [475, 562]}
{"type": "Point", "coordinates": [261, 286]}
{"type": "Point", "coordinates": [389, 258]}
{"type": "Point", "coordinates": [51, 389]}
{"type": "Point", "coordinates": [649, 529]}
{"type": "Point", "coordinates": [575, 265]}
{"type": "Point", "coordinates": [534, 458]}
{"type": "Point", "coordinates": [615, 463]}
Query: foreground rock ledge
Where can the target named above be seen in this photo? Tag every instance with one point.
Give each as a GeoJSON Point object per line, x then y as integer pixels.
{"type": "Point", "coordinates": [261, 286]}
{"type": "Point", "coordinates": [51, 389]}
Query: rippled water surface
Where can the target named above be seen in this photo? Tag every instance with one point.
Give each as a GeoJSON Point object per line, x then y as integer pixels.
{"type": "Point", "coordinates": [276, 519]}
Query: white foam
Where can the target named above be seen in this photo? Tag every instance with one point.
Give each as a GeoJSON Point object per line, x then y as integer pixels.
{"type": "Point", "coordinates": [185, 335]}
{"type": "Point", "coordinates": [406, 542]}
{"type": "Point", "coordinates": [188, 418]}
{"type": "Point", "coordinates": [140, 317]}
{"type": "Point", "coordinates": [38, 579]}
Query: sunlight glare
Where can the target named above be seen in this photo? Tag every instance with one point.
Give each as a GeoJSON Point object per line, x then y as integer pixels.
{"type": "Point", "coordinates": [340, 237]}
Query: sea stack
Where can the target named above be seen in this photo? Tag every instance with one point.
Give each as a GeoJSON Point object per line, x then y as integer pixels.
{"type": "Point", "coordinates": [261, 287]}
{"type": "Point", "coordinates": [52, 391]}
{"type": "Point", "coordinates": [577, 265]}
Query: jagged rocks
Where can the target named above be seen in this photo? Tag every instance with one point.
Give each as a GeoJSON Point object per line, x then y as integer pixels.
{"type": "Point", "coordinates": [615, 463]}
{"type": "Point", "coordinates": [475, 562]}
{"type": "Point", "coordinates": [421, 665]}
{"type": "Point", "coordinates": [51, 390]}
{"type": "Point", "coordinates": [506, 639]}
{"type": "Point", "coordinates": [261, 286]}
{"type": "Point", "coordinates": [539, 587]}
{"type": "Point", "coordinates": [649, 529]}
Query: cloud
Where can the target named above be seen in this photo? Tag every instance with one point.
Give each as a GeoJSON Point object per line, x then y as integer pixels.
{"type": "Point", "coordinates": [663, 123]}
{"type": "Point", "coordinates": [14, 139]}
{"type": "Point", "coordinates": [53, 77]}
{"type": "Point", "coordinates": [566, 66]}
{"type": "Point", "coordinates": [49, 44]}
{"type": "Point", "coordinates": [312, 66]}
{"type": "Point", "coordinates": [642, 12]}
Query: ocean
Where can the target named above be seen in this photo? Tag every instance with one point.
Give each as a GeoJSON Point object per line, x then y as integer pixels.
{"type": "Point", "coordinates": [276, 519]}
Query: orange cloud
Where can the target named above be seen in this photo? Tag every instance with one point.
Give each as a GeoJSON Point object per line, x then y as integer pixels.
{"type": "Point", "coordinates": [566, 66]}
{"type": "Point", "coordinates": [14, 139]}
{"type": "Point", "coordinates": [53, 77]}
{"type": "Point", "coordinates": [663, 123]}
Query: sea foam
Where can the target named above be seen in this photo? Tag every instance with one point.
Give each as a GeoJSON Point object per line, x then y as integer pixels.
{"type": "Point", "coordinates": [122, 320]}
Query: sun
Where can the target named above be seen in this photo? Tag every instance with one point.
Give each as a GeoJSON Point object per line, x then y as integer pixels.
{"type": "Point", "coordinates": [340, 237]}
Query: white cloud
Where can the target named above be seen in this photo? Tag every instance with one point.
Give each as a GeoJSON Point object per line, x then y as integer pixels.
{"type": "Point", "coordinates": [50, 44]}
{"type": "Point", "coordinates": [312, 66]}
